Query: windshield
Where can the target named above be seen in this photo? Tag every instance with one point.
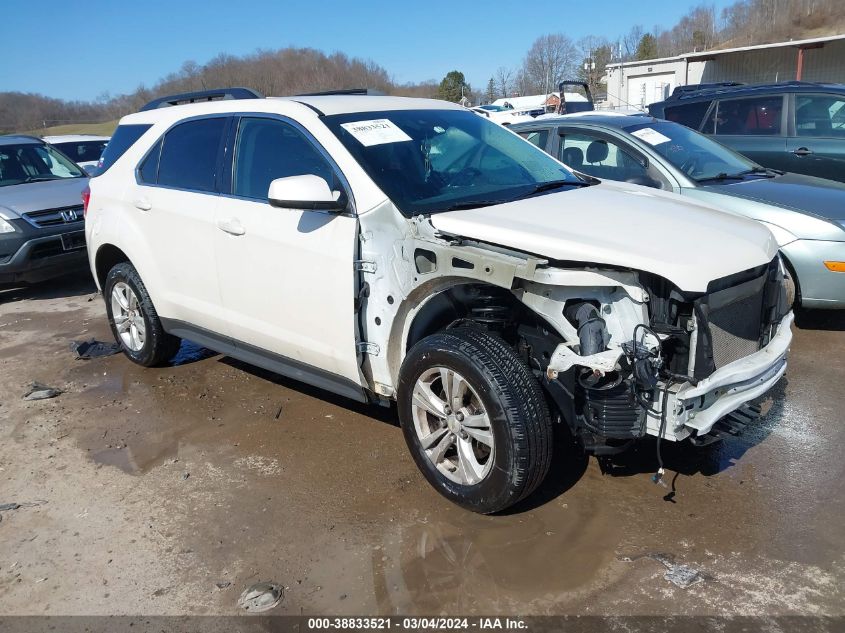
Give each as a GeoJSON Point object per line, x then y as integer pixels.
{"type": "Point", "coordinates": [698, 156]}
{"type": "Point", "coordinates": [34, 162]}
{"type": "Point", "coordinates": [429, 161]}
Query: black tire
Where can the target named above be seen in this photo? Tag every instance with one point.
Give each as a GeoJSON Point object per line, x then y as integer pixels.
{"type": "Point", "coordinates": [511, 396]}
{"type": "Point", "coordinates": [159, 346]}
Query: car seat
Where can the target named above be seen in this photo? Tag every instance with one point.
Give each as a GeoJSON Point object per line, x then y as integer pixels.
{"type": "Point", "coordinates": [597, 152]}
{"type": "Point", "coordinates": [573, 157]}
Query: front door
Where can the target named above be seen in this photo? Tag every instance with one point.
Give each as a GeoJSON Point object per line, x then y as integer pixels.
{"type": "Point", "coordinates": [816, 143]}
{"type": "Point", "coordinates": [287, 276]}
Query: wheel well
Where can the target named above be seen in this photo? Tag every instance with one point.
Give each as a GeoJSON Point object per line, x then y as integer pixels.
{"type": "Point", "coordinates": [795, 280]}
{"type": "Point", "coordinates": [489, 306]}
{"type": "Point", "coordinates": [108, 257]}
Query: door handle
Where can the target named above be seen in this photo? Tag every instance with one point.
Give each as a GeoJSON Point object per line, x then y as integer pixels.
{"type": "Point", "coordinates": [143, 204]}
{"type": "Point", "coordinates": [231, 226]}
{"type": "Point", "coordinates": [802, 151]}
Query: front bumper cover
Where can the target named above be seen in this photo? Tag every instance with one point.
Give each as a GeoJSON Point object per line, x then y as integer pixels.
{"type": "Point", "coordinates": [694, 409]}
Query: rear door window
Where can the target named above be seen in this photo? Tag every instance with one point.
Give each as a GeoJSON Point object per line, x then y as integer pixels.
{"type": "Point", "coordinates": [820, 116]}
{"type": "Point", "coordinates": [124, 137]}
{"type": "Point", "coordinates": [189, 154]}
{"type": "Point", "coordinates": [689, 114]}
{"type": "Point", "coordinates": [755, 116]}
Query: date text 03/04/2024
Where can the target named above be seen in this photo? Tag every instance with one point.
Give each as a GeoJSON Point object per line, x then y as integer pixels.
{"type": "Point", "coordinates": [417, 623]}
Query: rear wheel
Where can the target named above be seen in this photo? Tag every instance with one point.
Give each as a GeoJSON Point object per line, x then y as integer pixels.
{"type": "Point", "coordinates": [474, 419]}
{"type": "Point", "coordinates": [134, 320]}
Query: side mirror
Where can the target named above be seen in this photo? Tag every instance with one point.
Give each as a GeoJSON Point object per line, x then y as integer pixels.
{"type": "Point", "coordinates": [305, 192]}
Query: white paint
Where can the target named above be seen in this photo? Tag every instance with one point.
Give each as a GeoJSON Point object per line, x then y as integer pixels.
{"type": "Point", "coordinates": [662, 233]}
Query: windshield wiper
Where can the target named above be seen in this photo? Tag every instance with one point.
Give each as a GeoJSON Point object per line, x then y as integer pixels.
{"type": "Point", "coordinates": [722, 176]}
{"type": "Point", "coordinates": [553, 184]}
{"type": "Point", "coordinates": [473, 204]}
{"type": "Point", "coordinates": [41, 178]}
{"type": "Point", "coordinates": [763, 171]}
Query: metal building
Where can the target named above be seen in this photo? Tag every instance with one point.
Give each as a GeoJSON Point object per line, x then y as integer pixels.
{"type": "Point", "coordinates": [639, 83]}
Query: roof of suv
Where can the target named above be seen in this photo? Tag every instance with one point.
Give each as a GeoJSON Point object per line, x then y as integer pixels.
{"type": "Point", "coordinates": [19, 139]}
{"type": "Point", "coordinates": [781, 87]}
{"type": "Point", "coordinates": [321, 104]}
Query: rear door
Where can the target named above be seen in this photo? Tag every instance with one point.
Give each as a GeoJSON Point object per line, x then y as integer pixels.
{"type": "Point", "coordinates": [816, 142]}
{"type": "Point", "coordinates": [175, 199]}
{"type": "Point", "coordinates": [753, 126]}
{"type": "Point", "coordinates": [287, 276]}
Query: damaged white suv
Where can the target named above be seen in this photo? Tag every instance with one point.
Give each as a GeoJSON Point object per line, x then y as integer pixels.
{"type": "Point", "coordinates": [400, 249]}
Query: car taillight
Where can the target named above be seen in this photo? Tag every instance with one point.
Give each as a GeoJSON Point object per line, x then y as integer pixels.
{"type": "Point", "coordinates": [86, 198]}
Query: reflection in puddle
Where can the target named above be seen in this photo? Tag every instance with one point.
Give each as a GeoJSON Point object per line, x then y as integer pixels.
{"type": "Point", "coordinates": [489, 564]}
{"type": "Point", "coordinates": [190, 352]}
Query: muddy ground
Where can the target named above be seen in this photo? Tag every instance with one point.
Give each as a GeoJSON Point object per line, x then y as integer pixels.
{"type": "Point", "coordinates": [168, 491]}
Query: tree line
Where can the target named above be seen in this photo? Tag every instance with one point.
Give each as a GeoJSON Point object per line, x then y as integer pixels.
{"type": "Point", "coordinates": [285, 71]}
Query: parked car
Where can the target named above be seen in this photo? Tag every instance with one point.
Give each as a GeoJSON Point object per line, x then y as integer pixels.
{"type": "Point", "coordinates": [792, 126]}
{"type": "Point", "coordinates": [84, 149]}
{"type": "Point", "coordinates": [502, 116]}
{"type": "Point", "coordinates": [42, 231]}
{"type": "Point", "coordinates": [387, 248]}
{"type": "Point", "coordinates": [806, 214]}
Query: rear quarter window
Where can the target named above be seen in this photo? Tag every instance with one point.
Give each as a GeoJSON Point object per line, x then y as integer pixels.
{"type": "Point", "coordinates": [688, 114]}
{"type": "Point", "coordinates": [124, 137]}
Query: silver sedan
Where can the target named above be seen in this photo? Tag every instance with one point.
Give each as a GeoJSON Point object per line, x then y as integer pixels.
{"type": "Point", "coordinates": [806, 214]}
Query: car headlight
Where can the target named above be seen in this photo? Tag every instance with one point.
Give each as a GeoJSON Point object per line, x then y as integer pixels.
{"type": "Point", "coordinates": [6, 226]}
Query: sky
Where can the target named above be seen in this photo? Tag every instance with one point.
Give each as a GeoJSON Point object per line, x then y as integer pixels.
{"type": "Point", "coordinates": [80, 50]}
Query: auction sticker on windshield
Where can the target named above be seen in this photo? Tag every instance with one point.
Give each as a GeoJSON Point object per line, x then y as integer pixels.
{"type": "Point", "coordinates": [652, 137]}
{"type": "Point", "coordinates": [375, 132]}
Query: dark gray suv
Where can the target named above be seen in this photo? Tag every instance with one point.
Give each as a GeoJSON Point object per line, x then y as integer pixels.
{"type": "Point", "coordinates": [42, 228]}
{"type": "Point", "coordinates": [792, 126]}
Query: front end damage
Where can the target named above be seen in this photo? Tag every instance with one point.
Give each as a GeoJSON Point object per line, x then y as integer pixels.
{"type": "Point", "coordinates": [690, 361]}
{"type": "Point", "coordinates": [621, 354]}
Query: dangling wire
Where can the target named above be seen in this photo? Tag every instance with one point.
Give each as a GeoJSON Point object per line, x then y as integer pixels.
{"type": "Point", "coordinates": [663, 407]}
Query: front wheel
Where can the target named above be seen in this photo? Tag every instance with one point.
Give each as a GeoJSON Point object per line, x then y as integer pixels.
{"type": "Point", "coordinates": [134, 320]}
{"type": "Point", "coordinates": [475, 419]}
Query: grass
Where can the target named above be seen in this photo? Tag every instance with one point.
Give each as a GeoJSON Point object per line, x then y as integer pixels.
{"type": "Point", "coordinates": [100, 129]}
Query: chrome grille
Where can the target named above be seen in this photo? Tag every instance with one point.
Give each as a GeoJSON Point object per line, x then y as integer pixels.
{"type": "Point", "coordinates": [55, 217]}
{"type": "Point", "coordinates": [735, 329]}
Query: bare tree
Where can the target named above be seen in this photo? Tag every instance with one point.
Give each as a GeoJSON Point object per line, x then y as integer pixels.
{"type": "Point", "coordinates": [595, 53]}
{"type": "Point", "coordinates": [504, 81]}
{"type": "Point", "coordinates": [550, 59]}
{"type": "Point", "coordinates": [631, 41]}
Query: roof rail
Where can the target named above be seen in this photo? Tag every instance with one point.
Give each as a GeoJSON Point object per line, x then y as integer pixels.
{"type": "Point", "coordinates": [346, 91]}
{"type": "Point", "coordinates": [682, 90]}
{"type": "Point", "coordinates": [218, 94]}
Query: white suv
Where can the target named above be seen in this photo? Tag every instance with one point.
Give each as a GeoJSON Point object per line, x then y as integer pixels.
{"type": "Point", "coordinates": [408, 250]}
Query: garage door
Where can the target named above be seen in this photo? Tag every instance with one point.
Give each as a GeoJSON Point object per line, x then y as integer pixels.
{"type": "Point", "coordinates": [647, 89]}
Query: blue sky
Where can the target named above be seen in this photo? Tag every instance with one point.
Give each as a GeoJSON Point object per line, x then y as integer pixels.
{"type": "Point", "coordinates": [79, 50]}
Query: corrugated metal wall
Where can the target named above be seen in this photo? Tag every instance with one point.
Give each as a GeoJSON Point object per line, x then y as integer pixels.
{"type": "Point", "coordinates": [778, 64]}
